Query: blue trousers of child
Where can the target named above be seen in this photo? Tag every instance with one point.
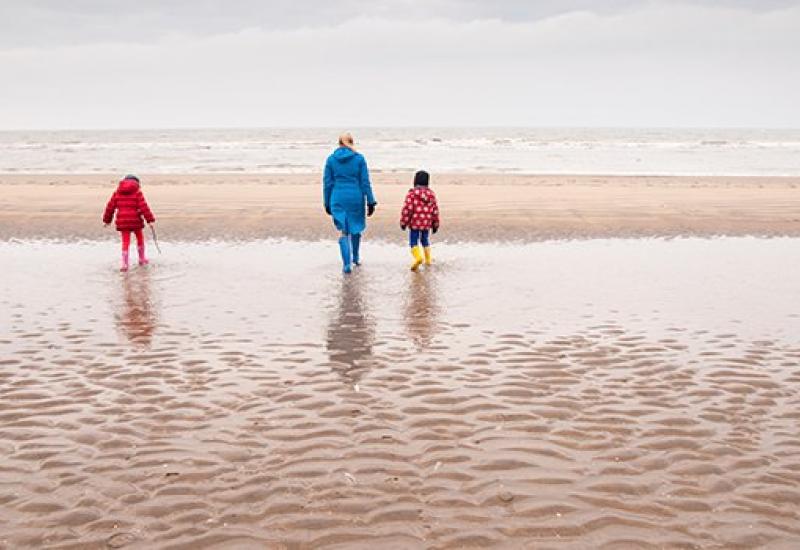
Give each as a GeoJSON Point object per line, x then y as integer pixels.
{"type": "Point", "coordinates": [415, 236]}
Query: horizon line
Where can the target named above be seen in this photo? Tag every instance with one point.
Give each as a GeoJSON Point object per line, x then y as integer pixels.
{"type": "Point", "coordinates": [394, 126]}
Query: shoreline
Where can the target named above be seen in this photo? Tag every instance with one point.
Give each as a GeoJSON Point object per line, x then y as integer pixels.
{"type": "Point", "coordinates": [160, 178]}
{"type": "Point", "coordinates": [476, 207]}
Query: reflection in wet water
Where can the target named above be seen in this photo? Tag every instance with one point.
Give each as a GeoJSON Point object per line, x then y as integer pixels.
{"type": "Point", "coordinates": [421, 310]}
{"type": "Point", "coordinates": [138, 315]}
{"type": "Point", "coordinates": [351, 331]}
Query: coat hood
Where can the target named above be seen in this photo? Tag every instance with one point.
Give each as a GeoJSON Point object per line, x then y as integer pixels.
{"type": "Point", "coordinates": [423, 194]}
{"type": "Point", "coordinates": [128, 187]}
{"type": "Point", "coordinates": [343, 154]}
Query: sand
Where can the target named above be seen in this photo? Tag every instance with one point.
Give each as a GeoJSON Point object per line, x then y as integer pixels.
{"type": "Point", "coordinates": [622, 393]}
{"type": "Point", "coordinates": [241, 393]}
{"type": "Point", "coordinates": [475, 207]}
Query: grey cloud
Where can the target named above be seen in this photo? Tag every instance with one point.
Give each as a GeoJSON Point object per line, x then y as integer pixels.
{"type": "Point", "coordinates": [661, 65]}
{"type": "Point", "coordinates": [46, 23]}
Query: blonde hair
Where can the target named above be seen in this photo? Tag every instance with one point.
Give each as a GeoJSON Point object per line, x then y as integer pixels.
{"type": "Point", "coordinates": [346, 140]}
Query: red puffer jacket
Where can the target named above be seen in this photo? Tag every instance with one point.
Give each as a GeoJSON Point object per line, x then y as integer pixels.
{"type": "Point", "coordinates": [128, 201]}
{"type": "Point", "coordinates": [420, 211]}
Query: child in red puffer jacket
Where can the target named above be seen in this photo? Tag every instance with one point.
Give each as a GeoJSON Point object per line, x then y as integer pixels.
{"type": "Point", "coordinates": [130, 205]}
{"type": "Point", "coordinates": [420, 215]}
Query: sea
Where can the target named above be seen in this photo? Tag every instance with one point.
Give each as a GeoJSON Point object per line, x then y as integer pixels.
{"type": "Point", "coordinates": [606, 151]}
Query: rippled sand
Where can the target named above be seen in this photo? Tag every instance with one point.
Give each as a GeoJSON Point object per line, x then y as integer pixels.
{"type": "Point", "coordinates": [586, 394]}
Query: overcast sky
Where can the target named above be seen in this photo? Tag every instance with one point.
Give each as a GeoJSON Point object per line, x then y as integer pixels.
{"type": "Point", "coordinates": [346, 63]}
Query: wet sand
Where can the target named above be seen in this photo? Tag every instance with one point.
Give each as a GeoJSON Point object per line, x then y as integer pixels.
{"type": "Point", "coordinates": [586, 394]}
{"type": "Point", "coordinates": [476, 207]}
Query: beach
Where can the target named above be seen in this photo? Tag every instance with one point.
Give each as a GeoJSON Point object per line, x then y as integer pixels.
{"type": "Point", "coordinates": [400, 275]}
{"type": "Point", "coordinates": [591, 362]}
{"type": "Point", "coordinates": [511, 207]}
{"type": "Point", "coordinates": [611, 393]}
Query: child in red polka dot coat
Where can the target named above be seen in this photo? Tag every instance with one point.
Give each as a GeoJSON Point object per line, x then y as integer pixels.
{"type": "Point", "coordinates": [420, 215]}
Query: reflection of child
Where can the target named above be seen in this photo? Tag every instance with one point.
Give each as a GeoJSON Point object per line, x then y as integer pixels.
{"type": "Point", "coordinates": [420, 215]}
{"type": "Point", "coordinates": [130, 206]}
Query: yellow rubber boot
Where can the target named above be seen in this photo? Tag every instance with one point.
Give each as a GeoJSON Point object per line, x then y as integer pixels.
{"type": "Point", "coordinates": [428, 259]}
{"type": "Point", "coordinates": [417, 253]}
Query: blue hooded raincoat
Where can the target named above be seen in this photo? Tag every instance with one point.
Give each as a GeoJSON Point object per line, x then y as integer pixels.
{"type": "Point", "coordinates": [346, 189]}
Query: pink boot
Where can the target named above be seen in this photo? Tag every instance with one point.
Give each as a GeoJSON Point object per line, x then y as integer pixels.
{"type": "Point", "coordinates": [142, 259]}
{"type": "Point", "coordinates": [124, 262]}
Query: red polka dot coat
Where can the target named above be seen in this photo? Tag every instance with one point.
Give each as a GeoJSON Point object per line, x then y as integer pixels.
{"type": "Point", "coordinates": [420, 209]}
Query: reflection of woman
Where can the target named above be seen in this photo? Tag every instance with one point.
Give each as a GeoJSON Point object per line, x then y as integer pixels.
{"type": "Point", "coordinates": [351, 333]}
{"type": "Point", "coordinates": [138, 318]}
{"type": "Point", "coordinates": [421, 309]}
{"type": "Point", "coordinates": [346, 187]}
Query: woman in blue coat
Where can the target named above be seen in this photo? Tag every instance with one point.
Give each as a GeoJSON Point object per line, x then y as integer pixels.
{"type": "Point", "coordinates": [346, 189]}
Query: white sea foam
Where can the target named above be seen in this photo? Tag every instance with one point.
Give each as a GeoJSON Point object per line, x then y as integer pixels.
{"type": "Point", "coordinates": [502, 150]}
